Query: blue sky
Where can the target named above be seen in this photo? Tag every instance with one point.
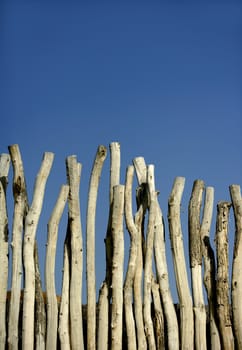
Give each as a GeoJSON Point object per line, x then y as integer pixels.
{"type": "Point", "coordinates": [162, 78]}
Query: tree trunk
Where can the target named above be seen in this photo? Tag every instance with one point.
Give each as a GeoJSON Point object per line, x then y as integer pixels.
{"type": "Point", "coordinates": [222, 282]}
{"type": "Point", "coordinates": [75, 231]}
{"type": "Point", "coordinates": [103, 309]}
{"type": "Point", "coordinates": [237, 265]}
{"type": "Point", "coordinates": [117, 268]}
{"type": "Point", "coordinates": [20, 211]}
{"type": "Point", "coordinates": [52, 307]}
{"type": "Point", "coordinates": [40, 314]}
{"type": "Point", "coordinates": [185, 300]}
{"type": "Point", "coordinates": [4, 168]}
{"type": "Point", "coordinates": [31, 224]}
{"type": "Point", "coordinates": [90, 247]}
{"type": "Point", "coordinates": [64, 315]}
{"type": "Point", "coordinates": [129, 280]}
{"type": "Point", "coordinates": [158, 319]}
{"type": "Point", "coordinates": [195, 253]}
{"type": "Point", "coordinates": [209, 268]}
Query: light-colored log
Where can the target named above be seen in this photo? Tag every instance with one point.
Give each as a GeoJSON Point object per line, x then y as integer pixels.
{"type": "Point", "coordinates": [117, 268]}
{"type": "Point", "coordinates": [90, 246]}
{"type": "Point", "coordinates": [20, 211]}
{"type": "Point", "coordinates": [209, 267]}
{"type": "Point", "coordinates": [236, 292]}
{"type": "Point", "coordinates": [149, 329]}
{"type": "Point", "coordinates": [40, 313]}
{"type": "Point", "coordinates": [52, 307]}
{"type": "Point", "coordinates": [4, 169]}
{"type": "Point", "coordinates": [176, 236]}
{"type": "Point", "coordinates": [129, 280]}
{"type": "Point", "coordinates": [64, 314]}
{"type": "Point", "coordinates": [75, 231]}
{"type": "Point", "coordinates": [195, 253]}
{"type": "Point", "coordinates": [222, 280]}
{"type": "Point", "coordinates": [103, 325]}
{"type": "Point", "coordinates": [31, 224]}
{"type": "Point", "coordinates": [158, 318]}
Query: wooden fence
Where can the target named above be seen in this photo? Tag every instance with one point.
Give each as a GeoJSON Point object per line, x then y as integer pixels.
{"type": "Point", "coordinates": [135, 309]}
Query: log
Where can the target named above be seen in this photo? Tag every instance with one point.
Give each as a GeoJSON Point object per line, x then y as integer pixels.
{"type": "Point", "coordinates": [236, 292]}
{"type": "Point", "coordinates": [222, 281]}
{"type": "Point", "coordinates": [117, 268]}
{"type": "Point", "coordinates": [195, 253]}
{"type": "Point", "coordinates": [64, 314]}
{"type": "Point", "coordinates": [52, 307]}
{"type": "Point", "coordinates": [176, 237]}
{"type": "Point", "coordinates": [90, 246]}
{"type": "Point", "coordinates": [102, 326]}
{"type": "Point", "coordinates": [31, 224]}
{"type": "Point", "coordinates": [129, 280]}
{"type": "Point", "coordinates": [209, 268]}
{"type": "Point", "coordinates": [4, 169]}
{"type": "Point", "coordinates": [158, 318]}
{"type": "Point", "coordinates": [20, 212]}
{"type": "Point", "coordinates": [75, 231]}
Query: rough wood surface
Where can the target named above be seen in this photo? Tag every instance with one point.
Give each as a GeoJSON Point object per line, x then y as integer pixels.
{"type": "Point", "coordinates": [76, 268]}
{"type": "Point", "coordinates": [52, 307]}
{"type": "Point", "coordinates": [184, 294]}
{"type": "Point", "coordinates": [31, 224]}
{"type": "Point", "coordinates": [90, 246]}
{"type": "Point", "coordinates": [103, 325]}
{"type": "Point", "coordinates": [4, 168]}
{"type": "Point", "coordinates": [117, 268]}
{"type": "Point", "coordinates": [20, 211]}
{"type": "Point", "coordinates": [236, 292]}
{"type": "Point", "coordinates": [195, 254]}
{"type": "Point", "coordinates": [222, 281]}
{"type": "Point", "coordinates": [129, 280]}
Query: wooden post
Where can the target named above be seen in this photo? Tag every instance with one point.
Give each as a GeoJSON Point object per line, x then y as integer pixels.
{"type": "Point", "coordinates": [158, 319]}
{"type": "Point", "coordinates": [90, 246]}
{"type": "Point", "coordinates": [20, 212]}
{"type": "Point", "coordinates": [129, 280]}
{"type": "Point", "coordinates": [222, 281]}
{"type": "Point", "coordinates": [4, 168]}
{"type": "Point", "coordinates": [209, 268]}
{"type": "Point", "coordinates": [195, 253]}
{"type": "Point", "coordinates": [235, 194]}
{"type": "Point", "coordinates": [31, 224]}
{"type": "Point", "coordinates": [64, 314]}
{"type": "Point", "coordinates": [52, 307]}
{"type": "Point", "coordinates": [74, 223]}
{"type": "Point", "coordinates": [102, 327]}
{"type": "Point", "coordinates": [185, 300]}
{"type": "Point", "coordinates": [40, 313]}
{"type": "Point", "coordinates": [117, 268]}
{"type": "Point", "coordinates": [149, 329]}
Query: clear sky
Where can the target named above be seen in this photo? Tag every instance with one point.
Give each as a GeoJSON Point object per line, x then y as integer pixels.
{"type": "Point", "coordinates": [163, 78]}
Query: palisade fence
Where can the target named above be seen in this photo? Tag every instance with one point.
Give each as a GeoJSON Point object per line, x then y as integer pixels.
{"type": "Point", "coordinates": [135, 309]}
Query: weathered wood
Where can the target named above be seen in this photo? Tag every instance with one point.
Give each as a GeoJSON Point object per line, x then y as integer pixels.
{"type": "Point", "coordinates": [75, 230]}
{"type": "Point", "coordinates": [222, 281]}
{"type": "Point", "coordinates": [117, 268]}
{"type": "Point", "coordinates": [4, 169]}
{"type": "Point", "coordinates": [236, 292]}
{"type": "Point", "coordinates": [31, 224]}
{"type": "Point", "coordinates": [129, 280]}
{"type": "Point", "coordinates": [209, 268]}
{"type": "Point", "coordinates": [40, 313]}
{"type": "Point", "coordinates": [52, 307]}
{"type": "Point", "coordinates": [90, 246]}
{"type": "Point", "coordinates": [64, 314]}
{"type": "Point", "coordinates": [20, 211]}
{"type": "Point", "coordinates": [149, 329]}
{"type": "Point", "coordinates": [102, 326]}
{"type": "Point", "coordinates": [158, 318]}
{"type": "Point", "coordinates": [195, 253]}
{"type": "Point", "coordinates": [184, 294]}
{"type": "Point", "coordinates": [114, 181]}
